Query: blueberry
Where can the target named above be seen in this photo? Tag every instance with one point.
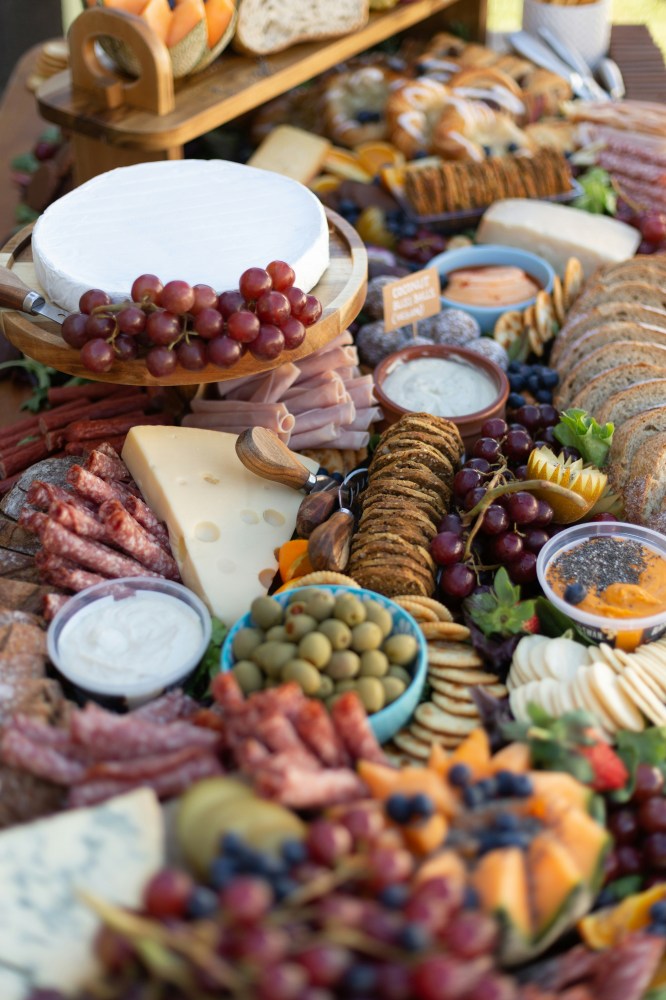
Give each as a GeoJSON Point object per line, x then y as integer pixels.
{"type": "Point", "coordinates": [366, 116]}
{"type": "Point", "coordinates": [422, 805]}
{"type": "Point", "coordinates": [517, 382]}
{"type": "Point", "coordinates": [270, 866]}
{"type": "Point", "coordinates": [202, 903]}
{"type": "Point", "coordinates": [515, 400]}
{"type": "Point", "coordinates": [489, 840]}
{"type": "Point", "coordinates": [505, 783]}
{"type": "Point", "coordinates": [284, 886]}
{"type": "Point", "coordinates": [522, 786]}
{"type": "Point", "coordinates": [512, 147]}
{"type": "Point", "coordinates": [513, 838]}
{"type": "Point", "coordinates": [233, 845]}
{"type": "Point", "coordinates": [394, 896]}
{"type": "Point", "coordinates": [460, 775]}
{"type": "Point", "coordinates": [408, 229]}
{"type": "Point", "coordinates": [575, 593]}
{"type": "Point", "coordinates": [294, 852]}
{"type": "Point", "coordinates": [414, 937]}
{"type": "Point", "coordinates": [658, 912]}
{"type": "Point", "coordinates": [507, 822]}
{"type": "Point", "coordinates": [360, 978]}
{"type": "Point", "coordinates": [222, 870]}
{"type": "Point", "coordinates": [513, 367]}
{"type": "Point", "coordinates": [473, 796]}
{"type": "Point", "coordinates": [347, 207]}
{"type": "Point", "coordinates": [544, 396]}
{"type": "Point", "coordinates": [488, 787]}
{"type": "Point", "coordinates": [533, 382]}
{"type": "Point", "coordinates": [487, 150]}
{"type": "Point", "coordinates": [549, 378]}
{"type": "Point", "coordinates": [471, 899]}
{"type": "Point", "coordinates": [399, 808]}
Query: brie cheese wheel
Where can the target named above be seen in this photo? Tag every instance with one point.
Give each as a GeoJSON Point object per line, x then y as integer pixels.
{"type": "Point", "coordinates": [201, 221]}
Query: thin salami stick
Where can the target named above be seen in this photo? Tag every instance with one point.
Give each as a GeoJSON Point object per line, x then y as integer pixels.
{"type": "Point", "coordinates": [89, 390]}
{"type": "Point", "coordinates": [60, 416]}
{"type": "Point", "coordinates": [108, 448]}
{"type": "Point", "coordinates": [93, 488]}
{"type": "Point", "coordinates": [6, 484]}
{"type": "Point", "coordinates": [51, 605]}
{"type": "Point", "coordinates": [107, 467]}
{"type": "Point", "coordinates": [165, 785]}
{"type": "Point", "coordinates": [20, 427]}
{"type": "Point", "coordinates": [351, 723]}
{"type": "Point", "coordinates": [279, 735]}
{"type": "Point", "coordinates": [41, 732]}
{"type": "Point", "coordinates": [115, 406]}
{"type": "Point", "coordinates": [9, 442]}
{"type": "Point", "coordinates": [171, 706]}
{"type": "Point", "coordinates": [126, 736]}
{"type": "Point", "coordinates": [84, 448]}
{"type": "Point", "coordinates": [36, 758]}
{"type": "Point", "coordinates": [141, 512]}
{"type": "Point", "coordinates": [42, 495]}
{"type": "Point", "coordinates": [81, 522]}
{"type": "Point", "coordinates": [32, 520]}
{"type": "Point", "coordinates": [22, 457]}
{"type": "Point", "coordinates": [65, 574]}
{"type": "Point", "coordinates": [315, 727]}
{"type": "Point", "coordinates": [125, 532]}
{"type": "Point", "coordinates": [82, 430]}
{"type": "Point", "coordinates": [54, 439]}
{"type": "Point", "coordinates": [90, 555]}
{"type": "Point", "coordinates": [143, 767]}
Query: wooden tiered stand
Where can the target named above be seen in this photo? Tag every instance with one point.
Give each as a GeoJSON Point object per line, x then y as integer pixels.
{"type": "Point", "coordinates": [116, 121]}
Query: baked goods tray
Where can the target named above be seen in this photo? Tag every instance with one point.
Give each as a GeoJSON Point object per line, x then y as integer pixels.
{"type": "Point", "coordinates": [454, 222]}
{"type": "Point", "coordinates": [341, 292]}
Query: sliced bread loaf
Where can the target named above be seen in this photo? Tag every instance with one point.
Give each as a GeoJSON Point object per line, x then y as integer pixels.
{"type": "Point", "coordinates": [607, 333]}
{"type": "Point", "coordinates": [266, 26]}
{"type": "Point", "coordinates": [629, 438]}
{"type": "Point", "coordinates": [642, 267]}
{"type": "Point", "coordinates": [598, 389]}
{"type": "Point", "coordinates": [605, 360]}
{"type": "Point", "coordinates": [594, 293]}
{"type": "Point", "coordinates": [645, 491]}
{"type": "Point", "coordinates": [626, 403]}
{"type": "Point", "coordinates": [605, 312]}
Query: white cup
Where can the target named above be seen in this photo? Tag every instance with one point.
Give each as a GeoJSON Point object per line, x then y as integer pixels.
{"type": "Point", "coordinates": [70, 10]}
{"type": "Point", "coordinates": [586, 27]}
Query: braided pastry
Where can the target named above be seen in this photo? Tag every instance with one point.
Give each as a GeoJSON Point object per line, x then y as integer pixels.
{"type": "Point", "coordinates": [469, 130]}
{"type": "Point", "coordinates": [354, 105]}
{"type": "Point", "coordinates": [413, 109]}
{"type": "Point", "coordinates": [492, 86]}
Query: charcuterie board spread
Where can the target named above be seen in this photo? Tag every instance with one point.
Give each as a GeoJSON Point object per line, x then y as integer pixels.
{"type": "Point", "coordinates": [340, 671]}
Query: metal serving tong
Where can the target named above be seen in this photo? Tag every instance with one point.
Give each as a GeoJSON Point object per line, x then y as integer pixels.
{"type": "Point", "coordinates": [552, 53]}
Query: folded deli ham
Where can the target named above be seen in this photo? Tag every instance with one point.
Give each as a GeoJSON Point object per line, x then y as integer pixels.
{"type": "Point", "coordinates": [322, 401]}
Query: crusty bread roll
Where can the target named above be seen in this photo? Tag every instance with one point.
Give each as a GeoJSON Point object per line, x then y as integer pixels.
{"type": "Point", "coordinates": [266, 26]}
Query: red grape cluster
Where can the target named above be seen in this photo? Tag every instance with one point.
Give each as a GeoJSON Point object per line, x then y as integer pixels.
{"type": "Point", "coordinates": [639, 831]}
{"type": "Point", "coordinates": [512, 528]}
{"type": "Point", "coordinates": [191, 325]}
{"type": "Point", "coordinates": [651, 224]}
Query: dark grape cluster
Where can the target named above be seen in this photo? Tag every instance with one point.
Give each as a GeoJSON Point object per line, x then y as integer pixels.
{"type": "Point", "coordinates": [650, 223]}
{"type": "Point", "coordinates": [536, 379]}
{"type": "Point", "coordinates": [513, 528]}
{"type": "Point", "coordinates": [191, 325]}
{"type": "Point", "coordinates": [638, 828]}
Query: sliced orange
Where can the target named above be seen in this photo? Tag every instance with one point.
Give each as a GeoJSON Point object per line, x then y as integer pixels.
{"type": "Point", "coordinates": [371, 227]}
{"type": "Point", "coordinates": [374, 155]}
{"type": "Point", "coordinates": [324, 183]}
{"type": "Point", "coordinates": [344, 164]}
{"type": "Point", "coordinates": [608, 926]}
{"type": "Point", "coordinates": [293, 559]}
{"type": "Point", "coordinates": [587, 483]}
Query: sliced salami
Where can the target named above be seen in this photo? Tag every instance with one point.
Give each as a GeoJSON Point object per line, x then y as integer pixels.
{"type": "Point", "coordinates": [166, 785]}
{"type": "Point", "coordinates": [143, 767]}
{"type": "Point", "coordinates": [354, 729]}
{"type": "Point", "coordinates": [171, 706]}
{"type": "Point", "coordinates": [315, 727]}
{"type": "Point", "coordinates": [125, 736]}
{"type": "Point", "coordinates": [66, 574]}
{"type": "Point", "coordinates": [277, 732]}
{"type": "Point", "coordinates": [39, 759]}
{"type": "Point", "coordinates": [93, 488]}
{"type": "Point", "coordinates": [51, 605]}
{"type": "Point", "coordinates": [300, 789]}
{"type": "Point", "coordinates": [141, 512]}
{"type": "Point", "coordinates": [126, 532]}
{"type": "Point", "coordinates": [81, 522]}
{"type": "Point", "coordinates": [250, 755]}
{"type": "Point", "coordinates": [42, 495]}
{"type": "Point", "coordinates": [91, 555]}
{"type": "Point", "coordinates": [107, 466]}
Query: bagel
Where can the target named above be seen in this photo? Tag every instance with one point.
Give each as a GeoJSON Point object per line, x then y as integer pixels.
{"type": "Point", "coordinates": [493, 87]}
{"type": "Point", "coordinates": [469, 130]}
{"type": "Point", "coordinates": [354, 105]}
{"type": "Point", "coordinates": [413, 109]}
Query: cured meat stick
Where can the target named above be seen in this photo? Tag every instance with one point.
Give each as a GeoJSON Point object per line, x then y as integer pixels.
{"type": "Point", "coordinates": [115, 406]}
{"type": "Point", "coordinates": [9, 442]}
{"type": "Point", "coordinates": [83, 429]}
{"type": "Point", "coordinates": [171, 706]}
{"type": "Point", "coordinates": [125, 532]}
{"type": "Point", "coordinates": [315, 727]}
{"type": "Point", "coordinates": [38, 759]}
{"type": "Point", "coordinates": [126, 736]}
{"type": "Point", "coordinates": [250, 755]}
{"type": "Point", "coordinates": [22, 457]}
{"type": "Point", "coordinates": [86, 447]}
{"type": "Point", "coordinates": [107, 467]}
{"type": "Point", "coordinates": [66, 574]}
{"type": "Point", "coordinates": [22, 428]}
{"type": "Point", "coordinates": [142, 513]}
{"type": "Point", "coordinates": [351, 723]}
{"type": "Point", "coordinates": [165, 785]}
{"type": "Point", "coordinates": [81, 522]}
{"type": "Point", "coordinates": [298, 788]}
{"type": "Point", "coordinates": [32, 520]}
{"type": "Point", "coordinates": [89, 554]}
{"type": "Point", "coordinates": [89, 390]}
{"type": "Point", "coordinates": [93, 488]}
{"type": "Point", "coordinates": [42, 494]}
{"type": "Point", "coordinates": [143, 767]}
{"type": "Point", "coordinates": [51, 605]}
{"type": "Point", "coordinates": [279, 735]}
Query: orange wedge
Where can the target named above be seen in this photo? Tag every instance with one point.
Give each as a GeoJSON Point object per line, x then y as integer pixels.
{"type": "Point", "coordinates": [371, 227]}
{"type": "Point", "coordinates": [324, 183]}
{"type": "Point", "coordinates": [344, 164]}
{"type": "Point", "coordinates": [293, 559]}
{"type": "Point", "coordinates": [609, 925]}
{"type": "Point", "coordinates": [587, 483]}
{"type": "Point", "coordinates": [374, 155]}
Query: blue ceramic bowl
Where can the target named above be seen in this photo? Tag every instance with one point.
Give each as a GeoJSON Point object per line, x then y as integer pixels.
{"type": "Point", "coordinates": [482, 256]}
{"type": "Point", "coordinates": [389, 720]}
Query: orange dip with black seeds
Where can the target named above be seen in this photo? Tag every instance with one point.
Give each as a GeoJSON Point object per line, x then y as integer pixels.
{"type": "Point", "coordinates": [622, 577]}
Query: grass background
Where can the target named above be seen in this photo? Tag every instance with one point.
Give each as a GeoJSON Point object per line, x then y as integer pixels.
{"type": "Point", "coordinates": [504, 15]}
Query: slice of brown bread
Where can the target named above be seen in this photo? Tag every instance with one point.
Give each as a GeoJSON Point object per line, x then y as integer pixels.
{"type": "Point", "coordinates": [624, 405]}
{"type": "Point", "coordinates": [645, 491]}
{"type": "Point", "coordinates": [642, 267]}
{"type": "Point", "coordinates": [605, 359]}
{"type": "Point", "coordinates": [598, 389]}
{"type": "Point", "coordinates": [609, 333]}
{"type": "Point", "coordinates": [644, 293]}
{"type": "Point", "coordinates": [605, 312]}
{"type": "Point", "coordinates": [629, 438]}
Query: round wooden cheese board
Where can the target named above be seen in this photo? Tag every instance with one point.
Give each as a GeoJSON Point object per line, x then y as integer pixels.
{"type": "Point", "coordinates": [341, 292]}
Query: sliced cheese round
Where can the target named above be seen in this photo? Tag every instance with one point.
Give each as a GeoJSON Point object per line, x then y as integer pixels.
{"type": "Point", "coordinates": [201, 221]}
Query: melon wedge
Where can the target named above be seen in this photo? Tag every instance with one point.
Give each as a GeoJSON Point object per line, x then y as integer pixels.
{"type": "Point", "coordinates": [515, 757]}
{"type": "Point", "coordinates": [554, 879]}
{"type": "Point", "coordinates": [445, 864]}
{"type": "Point", "coordinates": [157, 14]}
{"type": "Point", "coordinates": [185, 18]}
{"type": "Point", "coordinates": [129, 6]}
{"type": "Point", "coordinates": [500, 879]}
{"type": "Point", "coordinates": [219, 15]}
{"type": "Point", "coordinates": [474, 751]}
{"type": "Point", "coordinates": [586, 841]}
{"type": "Point", "coordinates": [551, 784]}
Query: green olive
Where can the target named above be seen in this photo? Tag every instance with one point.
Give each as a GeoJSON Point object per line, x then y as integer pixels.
{"type": "Point", "coordinates": [371, 692]}
{"type": "Point", "coordinates": [326, 686]}
{"type": "Point", "coordinates": [349, 609]}
{"type": "Point", "coordinates": [366, 636]}
{"type": "Point", "coordinates": [276, 634]}
{"type": "Point", "coordinates": [272, 656]}
{"type": "Point", "coordinates": [296, 626]}
{"type": "Point", "coordinates": [380, 616]}
{"type": "Point", "coordinates": [393, 688]}
{"type": "Point", "coordinates": [338, 634]}
{"type": "Point", "coordinates": [304, 594]}
{"type": "Point", "coordinates": [266, 612]}
{"type": "Point", "coordinates": [374, 663]}
{"type": "Point", "coordinates": [249, 676]}
{"type": "Point", "coordinates": [246, 641]}
{"type": "Point", "coordinates": [295, 608]}
{"type": "Point", "coordinates": [399, 673]}
{"type": "Point", "coordinates": [306, 676]}
{"type": "Point", "coordinates": [343, 664]}
{"type": "Point", "coordinates": [401, 649]}
{"type": "Point", "coordinates": [320, 604]}
{"type": "Point", "coordinates": [342, 686]}
{"type": "Point", "coordinates": [316, 648]}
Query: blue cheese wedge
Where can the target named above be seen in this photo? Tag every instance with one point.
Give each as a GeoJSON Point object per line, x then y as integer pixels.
{"type": "Point", "coordinates": [46, 930]}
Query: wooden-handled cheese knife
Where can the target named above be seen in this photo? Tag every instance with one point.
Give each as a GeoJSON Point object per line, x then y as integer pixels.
{"type": "Point", "coordinates": [15, 294]}
{"type": "Point", "coordinates": [262, 452]}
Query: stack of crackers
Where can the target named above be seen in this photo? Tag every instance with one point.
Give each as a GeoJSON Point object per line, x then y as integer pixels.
{"type": "Point", "coordinates": [454, 668]}
{"type": "Point", "coordinates": [410, 480]}
{"type": "Point", "coordinates": [434, 189]}
{"type": "Point", "coordinates": [539, 323]}
{"type": "Point", "coordinates": [53, 58]}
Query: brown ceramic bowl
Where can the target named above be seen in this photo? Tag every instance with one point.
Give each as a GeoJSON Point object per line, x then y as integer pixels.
{"type": "Point", "coordinates": [470, 424]}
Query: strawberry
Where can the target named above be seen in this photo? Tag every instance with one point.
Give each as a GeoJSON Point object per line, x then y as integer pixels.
{"type": "Point", "coordinates": [532, 625]}
{"type": "Point", "coordinates": [608, 770]}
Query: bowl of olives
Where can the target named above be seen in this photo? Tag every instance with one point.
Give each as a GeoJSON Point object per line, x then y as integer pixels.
{"type": "Point", "coordinates": [330, 639]}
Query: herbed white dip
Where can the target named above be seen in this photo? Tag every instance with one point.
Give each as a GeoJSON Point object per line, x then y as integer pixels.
{"type": "Point", "coordinates": [441, 386]}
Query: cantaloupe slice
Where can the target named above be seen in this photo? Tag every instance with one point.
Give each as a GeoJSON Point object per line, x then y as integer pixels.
{"type": "Point", "coordinates": [553, 877]}
{"type": "Point", "coordinates": [445, 864]}
{"type": "Point", "coordinates": [219, 14]}
{"type": "Point", "coordinates": [158, 14]}
{"type": "Point", "coordinates": [586, 841]}
{"type": "Point", "coordinates": [500, 879]}
{"type": "Point", "coordinates": [384, 781]}
{"type": "Point", "coordinates": [551, 784]}
{"type": "Point", "coordinates": [129, 6]}
{"type": "Point", "coordinates": [187, 39]}
{"type": "Point", "coordinates": [475, 752]}
{"type": "Point", "coordinates": [185, 17]}
{"type": "Point", "coordinates": [424, 838]}
{"type": "Point", "coordinates": [515, 757]}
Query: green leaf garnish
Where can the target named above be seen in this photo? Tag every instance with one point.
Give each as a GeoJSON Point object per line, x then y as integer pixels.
{"type": "Point", "coordinates": [199, 683]}
{"type": "Point", "coordinates": [577, 429]}
{"type": "Point", "coordinates": [500, 611]}
{"type": "Point", "coordinates": [599, 195]}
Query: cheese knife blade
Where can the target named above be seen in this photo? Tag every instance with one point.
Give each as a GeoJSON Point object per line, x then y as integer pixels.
{"type": "Point", "coordinates": [15, 294]}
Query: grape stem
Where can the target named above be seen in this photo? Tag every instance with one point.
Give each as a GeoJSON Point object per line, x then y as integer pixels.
{"type": "Point", "coordinates": [492, 485]}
